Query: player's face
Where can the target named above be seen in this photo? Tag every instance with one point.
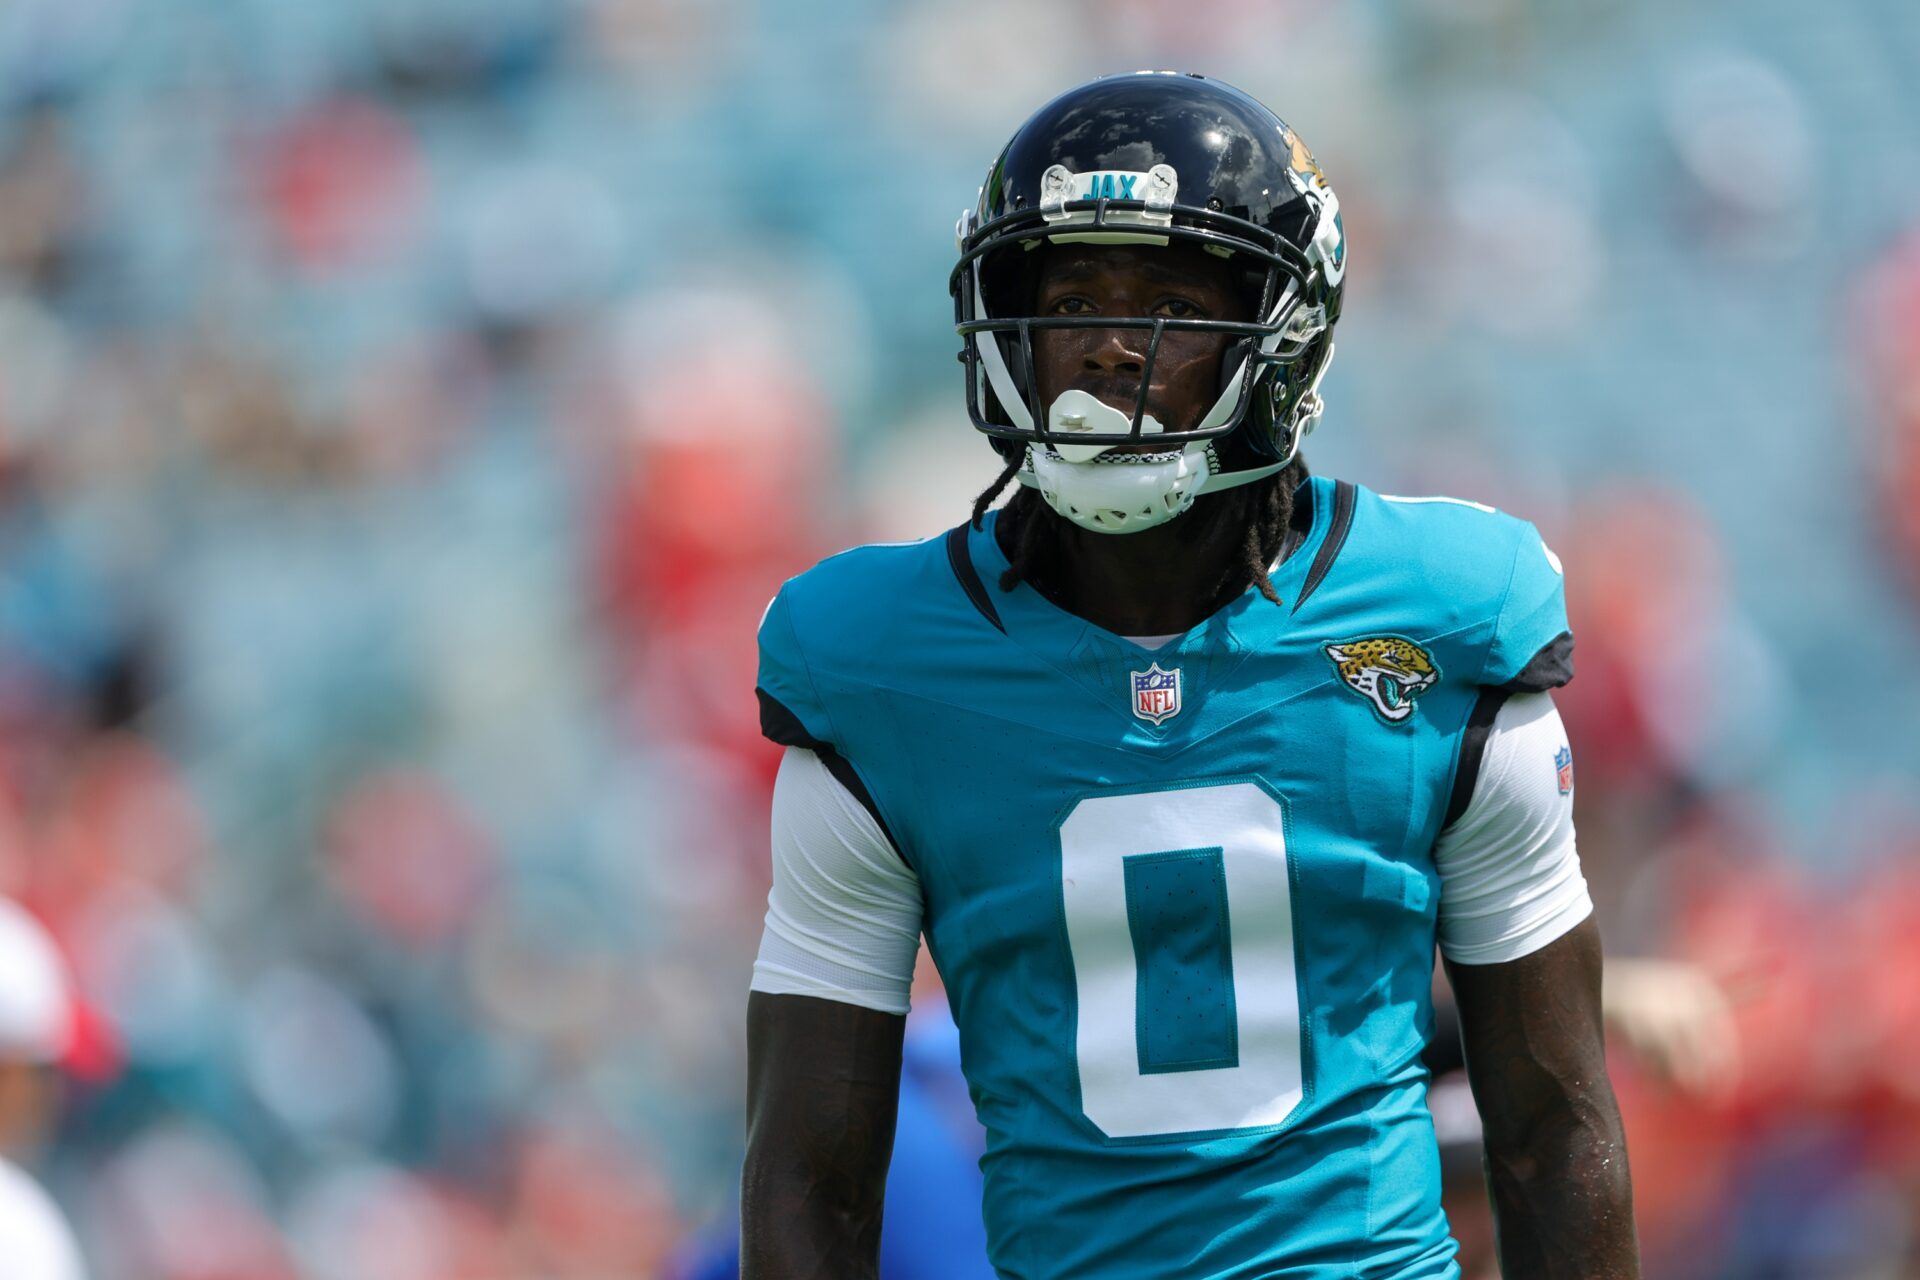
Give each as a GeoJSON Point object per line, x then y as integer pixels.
{"type": "Point", "coordinates": [1179, 282]}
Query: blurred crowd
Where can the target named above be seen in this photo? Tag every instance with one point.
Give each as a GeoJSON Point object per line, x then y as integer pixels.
{"type": "Point", "coordinates": [407, 408]}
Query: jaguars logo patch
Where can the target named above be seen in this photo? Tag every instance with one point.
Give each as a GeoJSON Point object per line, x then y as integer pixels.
{"type": "Point", "coordinates": [1388, 671]}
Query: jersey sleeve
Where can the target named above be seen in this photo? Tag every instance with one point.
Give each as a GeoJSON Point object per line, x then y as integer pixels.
{"type": "Point", "coordinates": [844, 913]}
{"type": "Point", "coordinates": [1532, 645]}
{"type": "Point", "coordinates": [791, 711]}
{"type": "Point", "coordinates": [1510, 878]}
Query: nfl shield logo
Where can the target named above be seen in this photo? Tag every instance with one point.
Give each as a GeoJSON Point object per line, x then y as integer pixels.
{"type": "Point", "coordinates": [1563, 761]}
{"type": "Point", "coordinates": [1156, 693]}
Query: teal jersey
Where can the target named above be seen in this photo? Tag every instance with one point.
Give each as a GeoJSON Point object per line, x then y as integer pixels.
{"type": "Point", "coordinates": [1184, 899]}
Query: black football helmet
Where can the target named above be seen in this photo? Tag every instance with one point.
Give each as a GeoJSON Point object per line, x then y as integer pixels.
{"type": "Point", "coordinates": [1156, 158]}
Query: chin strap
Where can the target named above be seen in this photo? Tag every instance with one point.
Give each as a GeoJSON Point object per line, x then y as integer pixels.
{"type": "Point", "coordinates": [1234, 479]}
{"type": "Point", "coordinates": [1216, 480]}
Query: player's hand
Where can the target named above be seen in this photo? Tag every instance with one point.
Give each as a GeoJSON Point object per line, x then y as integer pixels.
{"type": "Point", "coordinates": [1677, 1022]}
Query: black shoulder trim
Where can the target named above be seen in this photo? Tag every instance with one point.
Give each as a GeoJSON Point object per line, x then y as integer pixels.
{"type": "Point", "coordinates": [1300, 522]}
{"type": "Point", "coordinates": [1473, 748]}
{"type": "Point", "coordinates": [780, 725]}
{"type": "Point", "coordinates": [962, 562]}
{"type": "Point", "coordinates": [1338, 525]}
{"type": "Point", "coordinates": [1548, 669]}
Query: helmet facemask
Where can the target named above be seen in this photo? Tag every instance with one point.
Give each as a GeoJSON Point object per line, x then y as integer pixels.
{"type": "Point", "coordinates": [1069, 446]}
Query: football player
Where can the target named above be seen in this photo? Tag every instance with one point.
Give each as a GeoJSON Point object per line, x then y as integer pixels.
{"type": "Point", "coordinates": [1182, 761]}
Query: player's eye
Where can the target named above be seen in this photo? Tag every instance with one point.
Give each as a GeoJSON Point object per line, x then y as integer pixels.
{"type": "Point", "coordinates": [1177, 309]}
{"type": "Point", "coordinates": [1072, 305]}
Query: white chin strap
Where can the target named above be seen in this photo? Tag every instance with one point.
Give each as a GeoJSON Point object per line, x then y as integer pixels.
{"type": "Point", "coordinates": [1119, 492]}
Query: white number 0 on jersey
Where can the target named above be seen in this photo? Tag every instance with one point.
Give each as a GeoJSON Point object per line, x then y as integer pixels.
{"type": "Point", "coordinates": [1179, 914]}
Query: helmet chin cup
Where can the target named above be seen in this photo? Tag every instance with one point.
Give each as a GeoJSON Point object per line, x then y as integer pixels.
{"type": "Point", "coordinates": [1121, 494]}
{"type": "Point", "coordinates": [1079, 411]}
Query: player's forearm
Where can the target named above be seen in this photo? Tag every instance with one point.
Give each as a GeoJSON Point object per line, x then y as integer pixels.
{"type": "Point", "coordinates": [796, 1224]}
{"type": "Point", "coordinates": [823, 1087]}
{"type": "Point", "coordinates": [1563, 1202]}
{"type": "Point", "coordinates": [1556, 1154]}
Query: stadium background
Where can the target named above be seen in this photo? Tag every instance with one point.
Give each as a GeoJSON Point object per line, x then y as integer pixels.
{"type": "Point", "coordinates": [406, 410]}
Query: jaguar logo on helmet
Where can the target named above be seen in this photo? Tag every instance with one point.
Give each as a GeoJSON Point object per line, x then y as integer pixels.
{"type": "Point", "coordinates": [1305, 167]}
{"type": "Point", "coordinates": [1328, 244]}
{"type": "Point", "coordinates": [1142, 159]}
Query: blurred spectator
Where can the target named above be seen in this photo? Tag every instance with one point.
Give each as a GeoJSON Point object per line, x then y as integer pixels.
{"type": "Point", "coordinates": [37, 1024]}
{"type": "Point", "coordinates": [42, 202]}
{"type": "Point", "coordinates": [721, 473]}
{"type": "Point", "coordinates": [340, 183]}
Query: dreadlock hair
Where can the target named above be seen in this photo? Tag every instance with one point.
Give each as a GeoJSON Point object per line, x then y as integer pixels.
{"type": "Point", "coordinates": [1264, 509]}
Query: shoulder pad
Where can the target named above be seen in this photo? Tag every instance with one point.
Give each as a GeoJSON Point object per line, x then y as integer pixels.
{"type": "Point", "coordinates": [1496, 568]}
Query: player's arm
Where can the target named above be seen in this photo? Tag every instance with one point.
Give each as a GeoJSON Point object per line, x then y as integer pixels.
{"type": "Point", "coordinates": [823, 1084]}
{"type": "Point", "coordinates": [824, 1027]}
{"type": "Point", "coordinates": [1556, 1155]}
{"type": "Point", "coordinates": [1523, 956]}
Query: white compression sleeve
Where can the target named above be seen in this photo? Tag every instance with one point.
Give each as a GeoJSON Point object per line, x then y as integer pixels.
{"type": "Point", "coordinates": [1510, 879]}
{"type": "Point", "coordinates": [843, 917]}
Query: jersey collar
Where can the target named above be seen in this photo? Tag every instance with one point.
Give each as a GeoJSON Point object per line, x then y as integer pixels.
{"type": "Point", "coordinates": [1026, 615]}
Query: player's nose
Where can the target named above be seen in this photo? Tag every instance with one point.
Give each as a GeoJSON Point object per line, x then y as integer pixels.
{"type": "Point", "coordinates": [1115, 351]}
